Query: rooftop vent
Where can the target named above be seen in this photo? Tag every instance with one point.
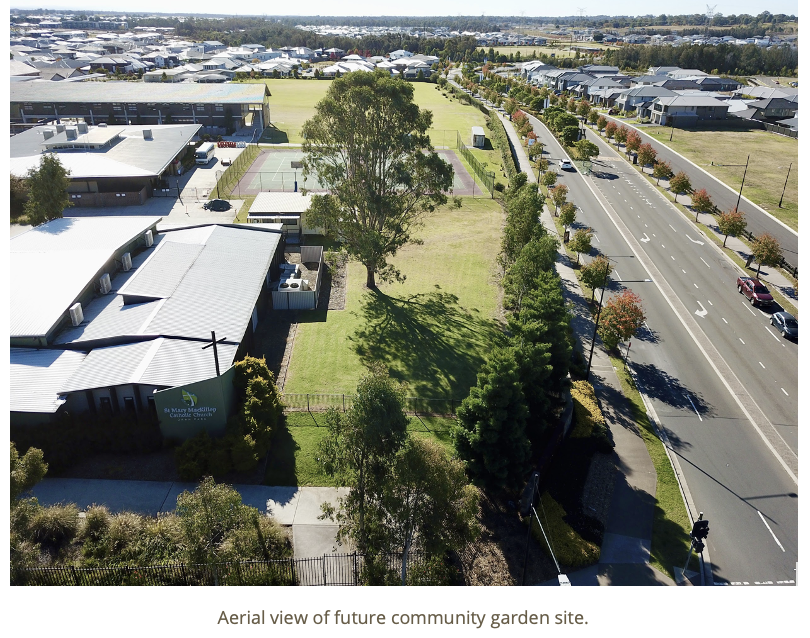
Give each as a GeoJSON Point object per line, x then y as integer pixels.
{"type": "Point", "coordinates": [147, 134]}
{"type": "Point", "coordinates": [82, 126]}
{"type": "Point", "coordinates": [102, 124]}
{"type": "Point", "coordinates": [72, 133]}
{"type": "Point", "coordinates": [47, 133]}
{"type": "Point", "coordinates": [147, 237]}
{"type": "Point", "coordinates": [126, 262]}
{"type": "Point", "coordinates": [60, 128]}
{"type": "Point", "coordinates": [76, 314]}
{"type": "Point", "coordinates": [104, 283]}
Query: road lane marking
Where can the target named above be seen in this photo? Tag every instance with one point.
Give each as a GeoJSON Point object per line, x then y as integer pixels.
{"type": "Point", "coordinates": [672, 227]}
{"type": "Point", "coordinates": [662, 246]}
{"type": "Point", "coordinates": [760, 363]}
{"type": "Point", "coordinates": [683, 271]}
{"type": "Point", "coordinates": [694, 284]}
{"type": "Point", "coordinates": [704, 261]}
{"type": "Point", "coordinates": [702, 312]}
{"type": "Point", "coordinates": [645, 236]}
{"type": "Point", "coordinates": [699, 417]}
{"type": "Point", "coordinates": [710, 302]}
{"type": "Point", "coordinates": [774, 336]}
{"type": "Point", "coordinates": [770, 530]}
{"type": "Point", "coordinates": [617, 274]}
{"type": "Point", "coordinates": [672, 258]}
{"type": "Point", "coordinates": [783, 390]}
{"type": "Point", "coordinates": [741, 341]}
{"type": "Point", "coordinates": [748, 309]}
{"type": "Point", "coordinates": [694, 241]}
{"type": "Point", "coordinates": [724, 319]}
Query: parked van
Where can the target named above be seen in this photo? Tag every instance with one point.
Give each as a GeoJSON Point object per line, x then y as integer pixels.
{"type": "Point", "coordinates": [205, 153]}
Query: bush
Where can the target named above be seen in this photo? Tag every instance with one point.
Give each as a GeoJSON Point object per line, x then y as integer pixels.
{"type": "Point", "coordinates": [570, 548]}
{"type": "Point", "coordinates": [265, 539]}
{"type": "Point", "coordinates": [96, 523]}
{"type": "Point", "coordinates": [55, 526]}
{"type": "Point", "coordinates": [162, 539]}
{"type": "Point", "coordinates": [192, 457]}
{"type": "Point", "coordinates": [123, 535]}
{"type": "Point", "coordinates": [588, 418]}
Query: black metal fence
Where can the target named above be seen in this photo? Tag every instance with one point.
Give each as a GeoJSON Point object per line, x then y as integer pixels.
{"type": "Point", "coordinates": [230, 176]}
{"type": "Point", "coordinates": [313, 402]}
{"type": "Point", "coordinates": [781, 130]}
{"type": "Point", "coordinates": [329, 569]}
{"type": "Point", "coordinates": [486, 177]}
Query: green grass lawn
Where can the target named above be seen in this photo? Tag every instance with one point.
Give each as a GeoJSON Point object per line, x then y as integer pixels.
{"type": "Point", "coordinates": [770, 157]}
{"type": "Point", "coordinates": [294, 451]}
{"type": "Point", "coordinates": [433, 331]}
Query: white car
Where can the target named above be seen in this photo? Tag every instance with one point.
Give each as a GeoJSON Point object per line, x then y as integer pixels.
{"type": "Point", "coordinates": [566, 165]}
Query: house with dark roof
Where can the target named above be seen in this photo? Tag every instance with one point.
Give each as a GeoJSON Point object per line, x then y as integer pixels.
{"type": "Point", "coordinates": [684, 111]}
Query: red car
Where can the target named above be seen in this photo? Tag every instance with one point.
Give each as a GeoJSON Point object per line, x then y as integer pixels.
{"type": "Point", "coordinates": [756, 292]}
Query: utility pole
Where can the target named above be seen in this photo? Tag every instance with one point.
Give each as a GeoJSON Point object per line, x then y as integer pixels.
{"type": "Point", "coordinates": [699, 533]}
{"type": "Point", "coordinates": [785, 186]}
{"type": "Point", "coordinates": [526, 504]}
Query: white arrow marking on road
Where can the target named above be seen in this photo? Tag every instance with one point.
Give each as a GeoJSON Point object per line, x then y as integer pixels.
{"type": "Point", "coordinates": [770, 530]}
{"type": "Point", "coordinates": [702, 312]}
{"type": "Point", "coordinates": [645, 238]}
{"type": "Point", "coordinates": [694, 241]}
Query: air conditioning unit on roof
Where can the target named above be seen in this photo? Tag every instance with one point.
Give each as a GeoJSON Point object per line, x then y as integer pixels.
{"type": "Point", "coordinates": [147, 236]}
{"type": "Point", "coordinates": [104, 283]}
{"type": "Point", "coordinates": [126, 262]}
{"type": "Point", "coordinates": [76, 314]}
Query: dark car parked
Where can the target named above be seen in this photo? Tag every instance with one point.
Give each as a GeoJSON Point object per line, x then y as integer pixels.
{"type": "Point", "coordinates": [786, 323]}
{"type": "Point", "coordinates": [755, 291]}
{"type": "Point", "coordinates": [218, 205]}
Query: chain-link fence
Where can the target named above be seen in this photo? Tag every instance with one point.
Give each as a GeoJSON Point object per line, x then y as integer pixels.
{"type": "Point", "coordinates": [486, 177]}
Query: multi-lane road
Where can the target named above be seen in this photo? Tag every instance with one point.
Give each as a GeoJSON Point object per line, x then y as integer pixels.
{"type": "Point", "coordinates": [722, 383]}
{"type": "Point", "coordinates": [725, 198]}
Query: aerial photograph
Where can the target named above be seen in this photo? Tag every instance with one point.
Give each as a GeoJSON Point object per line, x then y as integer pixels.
{"type": "Point", "coordinates": [432, 297]}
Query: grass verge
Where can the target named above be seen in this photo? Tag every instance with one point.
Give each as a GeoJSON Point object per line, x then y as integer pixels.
{"type": "Point", "coordinates": [671, 526]}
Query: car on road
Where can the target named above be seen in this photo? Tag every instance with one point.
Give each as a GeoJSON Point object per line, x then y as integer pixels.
{"type": "Point", "coordinates": [786, 323]}
{"type": "Point", "coordinates": [217, 205]}
{"type": "Point", "coordinates": [566, 165]}
{"type": "Point", "coordinates": [755, 291]}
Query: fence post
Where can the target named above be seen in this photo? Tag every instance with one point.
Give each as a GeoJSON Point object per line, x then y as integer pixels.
{"type": "Point", "coordinates": [75, 576]}
{"type": "Point", "coordinates": [355, 568]}
{"type": "Point", "coordinates": [307, 402]}
{"type": "Point", "coordinates": [344, 401]}
{"type": "Point", "coordinates": [323, 568]}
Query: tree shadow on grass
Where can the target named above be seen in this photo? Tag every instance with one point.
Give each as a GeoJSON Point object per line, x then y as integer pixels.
{"type": "Point", "coordinates": [281, 468]}
{"type": "Point", "coordinates": [427, 339]}
{"type": "Point", "coordinates": [273, 135]}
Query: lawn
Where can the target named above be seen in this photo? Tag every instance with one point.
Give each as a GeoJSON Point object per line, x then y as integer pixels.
{"type": "Point", "coordinates": [432, 332]}
{"type": "Point", "coordinates": [294, 451]}
{"type": "Point", "coordinates": [770, 157]}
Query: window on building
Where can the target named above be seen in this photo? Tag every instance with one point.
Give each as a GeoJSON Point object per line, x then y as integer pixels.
{"type": "Point", "coordinates": [129, 405]}
{"type": "Point", "coordinates": [28, 106]}
{"type": "Point", "coordinates": [219, 108]}
{"type": "Point", "coordinates": [150, 401]}
{"type": "Point", "coordinates": [117, 107]}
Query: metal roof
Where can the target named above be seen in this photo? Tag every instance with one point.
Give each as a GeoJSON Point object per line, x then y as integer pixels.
{"type": "Point", "coordinates": [280, 203]}
{"type": "Point", "coordinates": [163, 271]}
{"type": "Point", "coordinates": [54, 262]}
{"type": "Point", "coordinates": [37, 377]}
{"type": "Point", "coordinates": [138, 93]}
{"type": "Point", "coordinates": [129, 155]}
{"type": "Point", "coordinates": [160, 362]}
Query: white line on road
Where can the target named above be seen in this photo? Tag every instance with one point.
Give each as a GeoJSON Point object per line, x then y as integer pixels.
{"type": "Point", "coordinates": [617, 274]}
{"type": "Point", "coordinates": [597, 238]}
{"type": "Point", "coordinates": [724, 319]}
{"type": "Point", "coordinates": [694, 241]}
{"type": "Point", "coordinates": [683, 271]}
{"type": "Point", "coordinates": [694, 408]}
{"type": "Point", "coordinates": [773, 335]}
{"type": "Point", "coordinates": [662, 246]}
{"type": "Point", "coordinates": [704, 261]}
{"type": "Point", "coordinates": [694, 284]}
{"type": "Point", "coordinates": [760, 363]}
{"type": "Point", "coordinates": [770, 530]}
{"type": "Point", "coordinates": [741, 341]}
{"type": "Point", "coordinates": [672, 258]}
{"type": "Point", "coordinates": [748, 309]}
{"type": "Point", "coordinates": [702, 312]}
{"type": "Point", "coordinates": [672, 227]}
{"type": "Point", "coordinates": [783, 390]}
{"type": "Point", "coordinates": [710, 302]}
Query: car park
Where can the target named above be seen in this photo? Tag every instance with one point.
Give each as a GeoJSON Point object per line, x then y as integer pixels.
{"type": "Point", "coordinates": [566, 165]}
{"type": "Point", "coordinates": [786, 323]}
{"type": "Point", "coordinates": [755, 291]}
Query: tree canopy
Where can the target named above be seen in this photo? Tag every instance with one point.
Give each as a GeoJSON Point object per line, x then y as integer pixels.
{"type": "Point", "coordinates": [368, 146]}
{"type": "Point", "coordinates": [47, 190]}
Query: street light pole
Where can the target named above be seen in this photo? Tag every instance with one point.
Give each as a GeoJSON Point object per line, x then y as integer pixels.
{"type": "Point", "coordinates": [743, 182]}
{"type": "Point", "coordinates": [785, 186]}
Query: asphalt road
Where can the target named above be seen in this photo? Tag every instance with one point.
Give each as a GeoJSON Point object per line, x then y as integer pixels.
{"type": "Point", "coordinates": [726, 198]}
{"type": "Point", "coordinates": [732, 475]}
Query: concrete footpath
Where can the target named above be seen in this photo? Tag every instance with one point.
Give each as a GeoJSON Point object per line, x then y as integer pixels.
{"type": "Point", "coordinates": [625, 551]}
{"type": "Point", "coordinates": [296, 507]}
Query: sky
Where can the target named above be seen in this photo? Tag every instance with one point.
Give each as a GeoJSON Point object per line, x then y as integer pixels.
{"type": "Point", "coordinates": [431, 7]}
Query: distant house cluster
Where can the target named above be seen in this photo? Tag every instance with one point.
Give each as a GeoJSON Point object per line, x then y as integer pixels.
{"type": "Point", "coordinates": [670, 96]}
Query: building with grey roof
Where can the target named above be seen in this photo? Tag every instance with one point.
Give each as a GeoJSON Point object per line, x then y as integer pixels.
{"type": "Point", "coordinates": [109, 165]}
{"type": "Point", "coordinates": [686, 110]}
{"type": "Point", "coordinates": [110, 316]}
{"type": "Point", "coordinates": [211, 105]}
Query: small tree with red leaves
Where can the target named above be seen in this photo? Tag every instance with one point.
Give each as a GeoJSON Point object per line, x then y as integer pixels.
{"type": "Point", "coordinates": [680, 184]}
{"type": "Point", "coordinates": [633, 141]}
{"type": "Point", "coordinates": [646, 155]}
{"type": "Point", "coordinates": [610, 129]}
{"type": "Point", "coordinates": [731, 223]}
{"type": "Point", "coordinates": [621, 317]}
{"type": "Point", "coordinates": [701, 202]}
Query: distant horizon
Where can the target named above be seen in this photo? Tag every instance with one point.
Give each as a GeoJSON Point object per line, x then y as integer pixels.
{"type": "Point", "coordinates": [424, 8]}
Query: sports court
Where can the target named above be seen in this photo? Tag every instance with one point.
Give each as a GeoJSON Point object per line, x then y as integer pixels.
{"type": "Point", "coordinates": [273, 170]}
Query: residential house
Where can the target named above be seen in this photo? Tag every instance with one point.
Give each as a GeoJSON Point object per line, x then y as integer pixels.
{"type": "Point", "coordinates": [631, 98]}
{"type": "Point", "coordinates": [680, 110]}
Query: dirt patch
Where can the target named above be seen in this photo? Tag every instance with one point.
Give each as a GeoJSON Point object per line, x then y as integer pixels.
{"type": "Point", "coordinates": [333, 285]}
{"type": "Point", "coordinates": [497, 557]}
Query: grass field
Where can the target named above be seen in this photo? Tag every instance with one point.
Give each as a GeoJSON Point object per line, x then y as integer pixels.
{"type": "Point", "coordinates": [770, 157]}
{"type": "Point", "coordinates": [294, 453]}
{"type": "Point", "coordinates": [433, 331]}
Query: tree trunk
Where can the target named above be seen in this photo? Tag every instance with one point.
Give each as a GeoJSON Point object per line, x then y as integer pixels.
{"type": "Point", "coordinates": [370, 283]}
{"type": "Point", "coordinates": [725, 239]}
{"type": "Point", "coordinates": [404, 572]}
